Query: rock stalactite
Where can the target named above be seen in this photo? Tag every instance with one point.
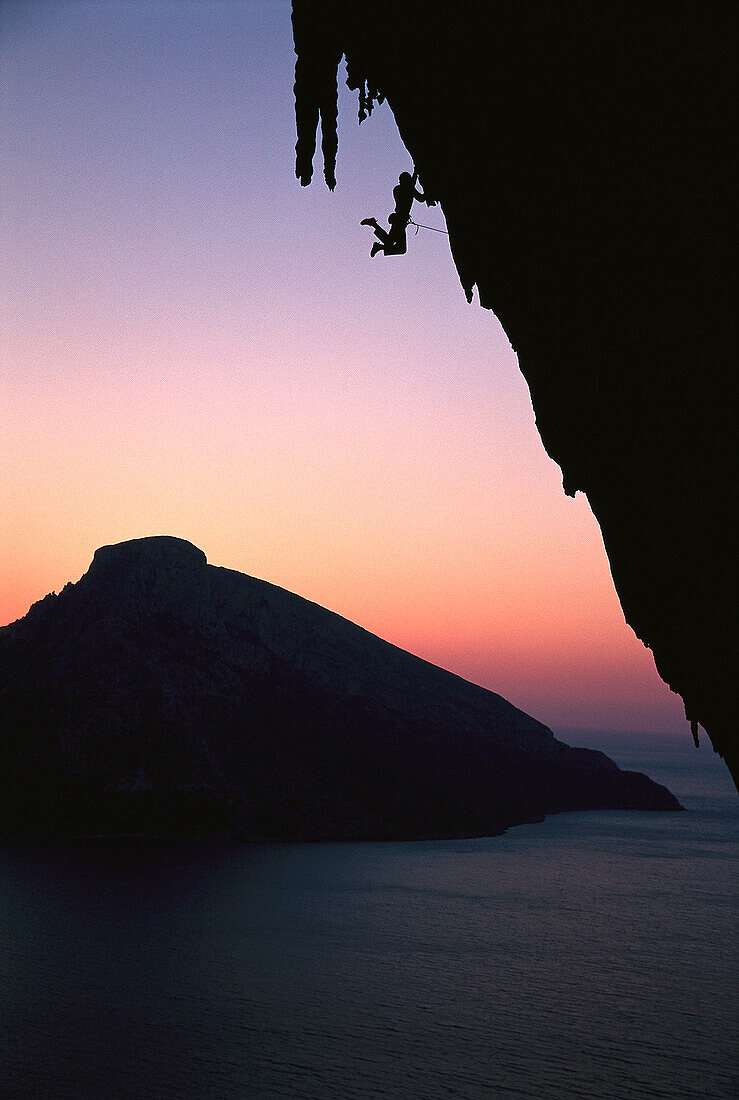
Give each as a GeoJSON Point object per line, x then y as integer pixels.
{"type": "Point", "coordinates": [580, 154]}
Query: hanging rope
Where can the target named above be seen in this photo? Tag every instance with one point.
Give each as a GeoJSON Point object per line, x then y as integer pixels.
{"type": "Point", "coordinates": [433, 228]}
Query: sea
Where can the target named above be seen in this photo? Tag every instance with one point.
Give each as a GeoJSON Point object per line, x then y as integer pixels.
{"type": "Point", "coordinates": [590, 955]}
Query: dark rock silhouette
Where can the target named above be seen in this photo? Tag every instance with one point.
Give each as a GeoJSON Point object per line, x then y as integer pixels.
{"type": "Point", "coordinates": [580, 153]}
{"type": "Point", "coordinates": [164, 696]}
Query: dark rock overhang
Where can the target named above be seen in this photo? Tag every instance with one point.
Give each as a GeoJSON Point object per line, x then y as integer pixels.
{"type": "Point", "coordinates": [579, 152]}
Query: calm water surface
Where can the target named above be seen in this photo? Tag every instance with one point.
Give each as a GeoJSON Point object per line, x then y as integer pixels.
{"type": "Point", "coordinates": [589, 956]}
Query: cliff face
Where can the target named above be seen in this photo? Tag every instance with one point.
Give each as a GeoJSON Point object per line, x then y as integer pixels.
{"type": "Point", "coordinates": [579, 154]}
{"type": "Point", "coordinates": [163, 696]}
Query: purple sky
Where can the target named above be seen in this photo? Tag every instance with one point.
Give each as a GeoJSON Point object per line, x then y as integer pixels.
{"type": "Point", "coordinates": [197, 346]}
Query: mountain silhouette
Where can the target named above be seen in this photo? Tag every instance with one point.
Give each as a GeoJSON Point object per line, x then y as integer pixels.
{"type": "Point", "coordinates": [164, 696]}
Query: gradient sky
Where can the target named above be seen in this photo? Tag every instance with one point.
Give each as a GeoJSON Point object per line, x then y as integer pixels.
{"type": "Point", "coordinates": [195, 345]}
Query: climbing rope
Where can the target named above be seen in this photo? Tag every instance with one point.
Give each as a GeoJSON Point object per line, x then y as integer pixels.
{"type": "Point", "coordinates": [433, 228]}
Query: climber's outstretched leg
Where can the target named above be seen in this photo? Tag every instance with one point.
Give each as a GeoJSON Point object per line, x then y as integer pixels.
{"type": "Point", "coordinates": [383, 237]}
{"type": "Point", "coordinates": [390, 241]}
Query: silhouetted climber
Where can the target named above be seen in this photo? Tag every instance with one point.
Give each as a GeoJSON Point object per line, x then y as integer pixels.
{"type": "Point", "coordinates": [392, 241]}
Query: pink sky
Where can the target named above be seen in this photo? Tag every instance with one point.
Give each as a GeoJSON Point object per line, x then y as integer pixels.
{"type": "Point", "coordinates": [199, 347]}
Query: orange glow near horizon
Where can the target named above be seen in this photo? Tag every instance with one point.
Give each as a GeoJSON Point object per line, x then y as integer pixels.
{"type": "Point", "coordinates": [198, 347]}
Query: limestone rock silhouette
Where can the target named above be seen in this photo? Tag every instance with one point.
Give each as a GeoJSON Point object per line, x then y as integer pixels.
{"type": "Point", "coordinates": [581, 154]}
{"type": "Point", "coordinates": [160, 695]}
